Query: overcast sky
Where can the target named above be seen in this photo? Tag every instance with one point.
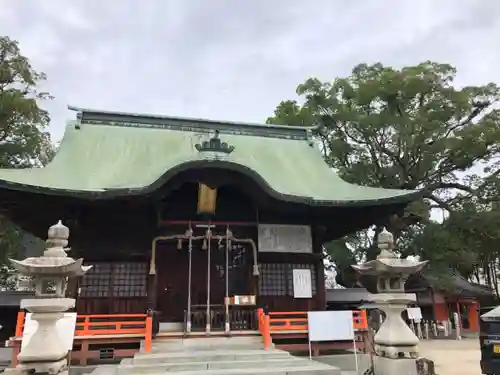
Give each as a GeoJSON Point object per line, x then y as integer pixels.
{"type": "Point", "coordinates": [236, 59]}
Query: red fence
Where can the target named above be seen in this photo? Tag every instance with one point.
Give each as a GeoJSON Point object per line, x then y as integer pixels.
{"type": "Point", "coordinates": [290, 322]}
{"type": "Point", "coordinates": [106, 324]}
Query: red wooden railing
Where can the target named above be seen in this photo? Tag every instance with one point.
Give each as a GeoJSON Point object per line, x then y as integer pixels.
{"type": "Point", "coordinates": [360, 320]}
{"type": "Point", "coordinates": [20, 324]}
{"type": "Point", "coordinates": [264, 327]}
{"type": "Point", "coordinates": [293, 321]}
{"type": "Point", "coordinates": [106, 324]}
{"type": "Point", "coordinates": [297, 321]}
{"type": "Point", "coordinates": [287, 321]}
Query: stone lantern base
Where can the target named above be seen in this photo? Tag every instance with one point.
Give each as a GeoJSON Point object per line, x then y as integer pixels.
{"type": "Point", "coordinates": [396, 346]}
{"type": "Point", "coordinates": [395, 339]}
{"type": "Point", "coordinates": [403, 366]}
{"type": "Point", "coordinates": [50, 368]}
{"type": "Point", "coordinates": [389, 366]}
{"type": "Point", "coordinates": [45, 352]}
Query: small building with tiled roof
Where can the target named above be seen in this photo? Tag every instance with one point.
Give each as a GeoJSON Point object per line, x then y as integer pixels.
{"type": "Point", "coordinates": [440, 294]}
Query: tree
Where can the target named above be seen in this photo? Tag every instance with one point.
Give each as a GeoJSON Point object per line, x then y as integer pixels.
{"type": "Point", "coordinates": [24, 141]}
{"type": "Point", "coordinates": [467, 241]}
{"type": "Point", "coordinates": [406, 128]}
{"type": "Point", "coordinates": [11, 246]}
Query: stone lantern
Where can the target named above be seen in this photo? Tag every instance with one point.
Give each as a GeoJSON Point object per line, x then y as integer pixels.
{"type": "Point", "coordinates": [396, 346]}
{"type": "Point", "coordinates": [45, 352]}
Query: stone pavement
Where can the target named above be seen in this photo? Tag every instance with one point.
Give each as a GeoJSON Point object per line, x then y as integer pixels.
{"type": "Point", "coordinates": [5, 356]}
{"type": "Point", "coordinates": [452, 357]}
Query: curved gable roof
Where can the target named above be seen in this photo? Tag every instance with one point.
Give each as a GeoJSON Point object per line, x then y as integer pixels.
{"type": "Point", "coordinates": [107, 154]}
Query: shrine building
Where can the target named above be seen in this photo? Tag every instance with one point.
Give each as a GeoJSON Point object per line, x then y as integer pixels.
{"type": "Point", "coordinates": [202, 221]}
{"type": "Point", "coordinates": [440, 297]}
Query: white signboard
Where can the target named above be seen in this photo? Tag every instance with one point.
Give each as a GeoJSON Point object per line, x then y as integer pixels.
{"type": "Point", "coordinates": [65, 329]}
{"type": "Point", "coordinates": [414, 313]}
{"type": "Point", "coordinates": [278, 238]}
{"type": "Point", "coordinates": [330, 325]}
{"type": "Point", "coordinates": [302, 283]}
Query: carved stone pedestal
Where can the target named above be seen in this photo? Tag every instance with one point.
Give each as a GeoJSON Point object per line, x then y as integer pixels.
{"type": "Point", "coordinates": [389, 366]}
{"type": "Point", "coordinates": [396, 346]}
{"type": "Point", "coordinates": [395, 339]}
{"type": "Point", "coordinates": [403, 366]}
{"type": "Point", "coordinates": [45, 352]}
{"type": "Point", "coordinates": [45, 345]}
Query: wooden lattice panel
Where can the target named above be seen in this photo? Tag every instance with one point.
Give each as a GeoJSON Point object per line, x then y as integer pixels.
{"type": "Point", "coordinates": [276, 279]}
{"type": "Point", "coordinates": [115, 280]}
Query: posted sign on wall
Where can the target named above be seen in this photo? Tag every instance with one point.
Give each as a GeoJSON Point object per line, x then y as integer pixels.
{"type": "Point", "coordinates": [302, 283]}
{"type": "Point", "coordinates": [277, 238]}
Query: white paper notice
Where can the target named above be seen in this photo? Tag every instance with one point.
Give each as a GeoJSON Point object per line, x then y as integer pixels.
{"type": "Point", "coordinates": [302, 283]}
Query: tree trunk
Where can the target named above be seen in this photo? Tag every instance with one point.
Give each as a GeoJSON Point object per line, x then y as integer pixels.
{"type": "Point", "coordinates": [373, 251]}
{"type": "Point", "coordinates": [495, 276]}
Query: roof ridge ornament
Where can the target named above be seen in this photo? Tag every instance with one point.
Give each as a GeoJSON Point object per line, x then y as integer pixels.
{"type": "Point", "coordinates": [214, 144]}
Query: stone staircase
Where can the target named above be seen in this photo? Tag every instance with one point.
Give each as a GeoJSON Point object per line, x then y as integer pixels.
{"type": "Point", "coordinates": [216, 356]}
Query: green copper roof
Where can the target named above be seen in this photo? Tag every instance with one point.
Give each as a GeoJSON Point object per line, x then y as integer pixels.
{"type": "Point", "coordinates": [107, 154]}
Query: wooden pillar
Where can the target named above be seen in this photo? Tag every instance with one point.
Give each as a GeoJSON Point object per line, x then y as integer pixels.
{"type": "Point", "coordinates": [440, 310]}
{"type": "Point", "coordinates": [15, 352]}
{"type": "Point", "coordinates": [459, 314]}
{"type": "Point", "coordinates": [473, 316]}
{"type": "Point", "coordinates": [317, 242]}
{"type": "Point", "coordinates": [320, 285]}
{"type": "Point", "coordinates": [84, 353]}
{"type": "Point", "coordinates": [433, 298]}
{"type": "Point", "coordinates": [152, 292]}
{"type": "Point", "coordinates": [73, 285]}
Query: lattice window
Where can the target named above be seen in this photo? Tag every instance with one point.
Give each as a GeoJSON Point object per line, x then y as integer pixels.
{"type": "Point", "coordinates": [115, 280]}
{"type": "Point", "coordinates": [272, 279]}
{"type": "Point", "coordinates": [276, 279]}
{"type": "Point", "coordinates": [96, 281]}
{"type": "Point", "coordinates": [129, 280]}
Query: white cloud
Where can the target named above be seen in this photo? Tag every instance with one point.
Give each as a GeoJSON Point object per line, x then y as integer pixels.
{"type": "Point", "coordinates": [234, 59]}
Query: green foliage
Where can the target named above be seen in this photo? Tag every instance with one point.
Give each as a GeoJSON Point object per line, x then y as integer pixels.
{"type": "Point", "coordinates": [467, 241]}
{"type": "Point", "coordinates": [24, 141]}
{"type": "Point", "coordinates": [408, 128]}
{"type": "Point", "coordinates": [11, 245]}
{"type": "Point", "coordinates": [338, 253]}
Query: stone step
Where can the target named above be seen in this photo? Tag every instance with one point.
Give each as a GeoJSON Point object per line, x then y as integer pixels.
{"type": "Point", "coordinates": [171, 327]}
{"type": "Point", "coordinates": [206, 343]}
{"type": "Point", "coordinates": [309, 368]}
{"type": "Point", "coordinates": [211, 340]}
{"type": "Point", "coordinates": [216, 365]}
{"type": "Point", "coordinates": [217, 356]}
{"type": "Point", "coordinates": [313, 369]}
{"type": "Point", "coordinates": [207, 356]}
{"type": "Point", "coordinates": [177, 349]}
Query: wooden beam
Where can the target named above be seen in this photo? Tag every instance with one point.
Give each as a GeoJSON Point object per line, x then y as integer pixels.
{"type": "Point", "coordinates": [201, 222]}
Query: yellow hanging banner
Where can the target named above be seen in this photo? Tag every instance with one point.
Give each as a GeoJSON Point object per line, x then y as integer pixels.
{"type": "Point", "coordinates": [207, 199]}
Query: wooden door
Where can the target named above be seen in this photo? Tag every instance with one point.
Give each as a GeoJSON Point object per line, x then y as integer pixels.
{"type": "Point", "coordinates": [172, 273]}
{"type": "Point", "coordinates": [200, 275]}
